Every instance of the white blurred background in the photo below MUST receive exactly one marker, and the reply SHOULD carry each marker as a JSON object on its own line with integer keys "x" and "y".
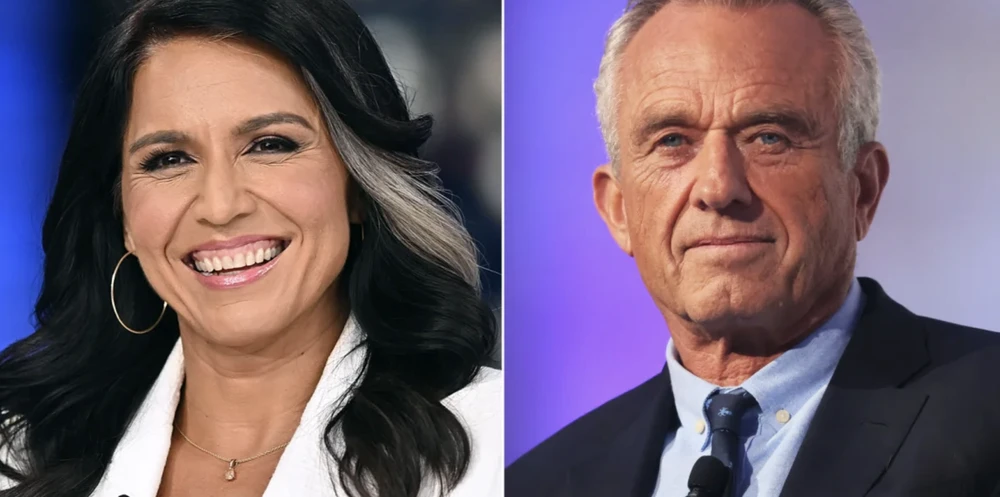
{"x": 446, "y": 55}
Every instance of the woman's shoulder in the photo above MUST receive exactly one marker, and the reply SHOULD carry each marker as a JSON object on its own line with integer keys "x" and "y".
{"x": 11, "y": 452}
{"x": 480, "y": 407}
{"x": 481, "y": 398}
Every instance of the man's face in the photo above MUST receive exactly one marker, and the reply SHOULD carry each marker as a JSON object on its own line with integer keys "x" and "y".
{"x": 730, "y": 194}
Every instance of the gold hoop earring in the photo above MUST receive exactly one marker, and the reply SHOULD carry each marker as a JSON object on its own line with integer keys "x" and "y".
{"x": 114, "y": 308}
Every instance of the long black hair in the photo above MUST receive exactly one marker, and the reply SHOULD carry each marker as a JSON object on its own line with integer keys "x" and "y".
{"x": 69, "y": 390}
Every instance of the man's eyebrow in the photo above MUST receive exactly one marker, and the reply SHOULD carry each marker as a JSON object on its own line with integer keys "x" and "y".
{"x": 655, "y": 120}
{"x": 796, "y": 121}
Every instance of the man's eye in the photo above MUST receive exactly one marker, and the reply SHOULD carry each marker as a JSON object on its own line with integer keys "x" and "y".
{"x": 771, "y": 139}
{"x": 673, "y": 140}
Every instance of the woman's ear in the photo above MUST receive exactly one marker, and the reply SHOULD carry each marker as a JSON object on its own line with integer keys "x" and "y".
{"x": 129, "y": 244}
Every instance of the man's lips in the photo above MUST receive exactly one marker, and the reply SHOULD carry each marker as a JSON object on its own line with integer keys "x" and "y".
{"x": 729, "y": 240}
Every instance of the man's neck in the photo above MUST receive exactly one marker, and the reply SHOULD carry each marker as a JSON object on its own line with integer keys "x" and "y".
{"x": 728, "y": 356}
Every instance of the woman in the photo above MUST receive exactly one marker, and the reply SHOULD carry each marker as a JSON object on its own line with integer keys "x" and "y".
{"x": 304, "y": 317}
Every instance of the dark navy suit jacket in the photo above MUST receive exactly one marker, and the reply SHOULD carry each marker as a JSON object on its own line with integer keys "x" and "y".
{"x": 912, "y": 410}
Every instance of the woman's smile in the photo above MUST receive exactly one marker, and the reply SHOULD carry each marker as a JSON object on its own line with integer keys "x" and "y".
{"x": 235, "y": 262}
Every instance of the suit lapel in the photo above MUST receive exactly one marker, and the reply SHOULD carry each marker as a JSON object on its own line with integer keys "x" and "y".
{"x": 632, "y": 462}
{"x": 864, "y": 415}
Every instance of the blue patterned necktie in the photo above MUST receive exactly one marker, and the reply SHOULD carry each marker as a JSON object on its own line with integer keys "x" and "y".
{"x": 725, "y": 410}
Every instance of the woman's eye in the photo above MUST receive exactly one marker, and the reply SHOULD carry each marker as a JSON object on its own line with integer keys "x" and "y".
{"x": 673, "y": 140}
{"x": 164, "y": 161}
{"x": 273, "y": 145}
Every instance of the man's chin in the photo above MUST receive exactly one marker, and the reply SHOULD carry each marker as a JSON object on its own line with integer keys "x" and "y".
{"x": 725, "y": 304}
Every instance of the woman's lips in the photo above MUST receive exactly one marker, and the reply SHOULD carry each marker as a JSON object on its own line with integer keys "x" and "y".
{"x": 235, "y": 278}
{"x": 235, "y": 265}
{"x": 236, "y": 257}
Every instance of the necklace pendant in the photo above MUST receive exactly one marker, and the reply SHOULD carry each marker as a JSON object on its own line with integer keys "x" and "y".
{"x": 231, "y": 472}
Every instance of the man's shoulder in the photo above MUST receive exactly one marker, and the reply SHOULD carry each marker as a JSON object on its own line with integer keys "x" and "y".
{"x": 959, "y": 334}
{"x": 584, "y": 438}
{"x": 973, "y": 350}
{"x": 887, "y": 324}
{"x": 944, "y": 339}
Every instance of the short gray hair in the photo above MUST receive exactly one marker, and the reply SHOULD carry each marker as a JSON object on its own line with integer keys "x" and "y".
{"x": 857, "y": 84}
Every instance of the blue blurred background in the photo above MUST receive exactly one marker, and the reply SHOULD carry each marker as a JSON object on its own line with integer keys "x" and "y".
{"x": 446, "y": 54}
{"x": 580, "y": 327}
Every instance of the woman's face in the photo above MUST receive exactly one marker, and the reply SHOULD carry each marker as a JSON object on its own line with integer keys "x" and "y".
{"x": 235, "y": 200}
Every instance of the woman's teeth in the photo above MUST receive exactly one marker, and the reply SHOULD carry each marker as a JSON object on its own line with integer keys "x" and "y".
{"x": 237, "y": 260}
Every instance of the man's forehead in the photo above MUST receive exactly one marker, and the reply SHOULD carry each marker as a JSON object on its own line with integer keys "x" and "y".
{"x": 692, "y": 56}
{"x": 693, "y": 41}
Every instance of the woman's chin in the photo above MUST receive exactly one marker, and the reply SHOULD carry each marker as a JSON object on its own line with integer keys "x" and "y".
{"x": 242, "y": 330}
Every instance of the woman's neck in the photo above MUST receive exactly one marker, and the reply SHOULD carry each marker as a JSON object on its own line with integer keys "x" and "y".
{"x": 241, "y": 402}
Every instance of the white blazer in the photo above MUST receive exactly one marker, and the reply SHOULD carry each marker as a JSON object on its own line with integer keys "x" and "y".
{"x": 305, "y": 467}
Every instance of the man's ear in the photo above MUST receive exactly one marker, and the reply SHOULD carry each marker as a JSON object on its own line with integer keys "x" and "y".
{"x": 872, "y": 173}
{"x": 611, "y": 205}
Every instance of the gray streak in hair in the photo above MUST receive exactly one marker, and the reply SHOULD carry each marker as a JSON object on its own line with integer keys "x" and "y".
{"x": 417, "y": 213}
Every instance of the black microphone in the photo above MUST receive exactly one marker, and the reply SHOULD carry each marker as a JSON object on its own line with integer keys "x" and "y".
{"x": 709, "y": 478}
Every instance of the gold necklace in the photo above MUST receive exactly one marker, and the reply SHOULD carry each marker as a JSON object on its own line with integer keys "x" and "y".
{"x": 230, "y": 474}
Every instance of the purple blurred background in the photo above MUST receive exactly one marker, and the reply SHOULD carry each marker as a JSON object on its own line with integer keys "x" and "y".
{"x": 579, "y": 326}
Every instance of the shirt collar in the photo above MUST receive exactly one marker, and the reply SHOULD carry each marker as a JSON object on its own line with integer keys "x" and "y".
{"x": 788, "y": 381}
{"x": 689, "y": 390}
{"x": 137, "y": 465}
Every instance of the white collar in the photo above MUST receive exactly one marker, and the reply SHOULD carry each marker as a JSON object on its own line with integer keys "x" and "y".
{"x": 137, "y": 465}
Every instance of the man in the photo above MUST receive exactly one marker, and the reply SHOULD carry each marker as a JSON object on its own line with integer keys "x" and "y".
{"x": 744, "y": 170}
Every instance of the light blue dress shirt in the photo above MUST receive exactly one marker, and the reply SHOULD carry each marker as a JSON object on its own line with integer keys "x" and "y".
{"x": 788, "y": 391}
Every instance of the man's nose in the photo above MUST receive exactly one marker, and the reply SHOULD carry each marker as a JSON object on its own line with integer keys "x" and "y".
{"x": 721, "y": 176}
